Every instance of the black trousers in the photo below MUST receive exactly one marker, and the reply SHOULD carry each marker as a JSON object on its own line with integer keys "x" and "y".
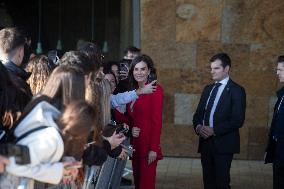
{"x": 278, "y": 176}
{"x": 216, "y": 167}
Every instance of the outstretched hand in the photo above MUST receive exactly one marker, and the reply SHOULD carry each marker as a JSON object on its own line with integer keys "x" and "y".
{"x": 147, "y": 89}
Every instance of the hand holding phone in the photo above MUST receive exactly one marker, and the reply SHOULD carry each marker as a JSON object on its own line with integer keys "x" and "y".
{"x": 123, "y": 70}
{"x": 152, "y": 77}
{"x": 129, "y": 149}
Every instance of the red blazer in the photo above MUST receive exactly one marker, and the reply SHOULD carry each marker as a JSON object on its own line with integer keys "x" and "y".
{"x": 146, "y": 114}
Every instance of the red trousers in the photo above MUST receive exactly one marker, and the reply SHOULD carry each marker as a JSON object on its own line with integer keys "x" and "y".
{"x": 144, "y": 174}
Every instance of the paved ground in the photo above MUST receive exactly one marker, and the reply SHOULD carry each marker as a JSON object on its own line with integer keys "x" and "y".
{"x": 185, "y": 173}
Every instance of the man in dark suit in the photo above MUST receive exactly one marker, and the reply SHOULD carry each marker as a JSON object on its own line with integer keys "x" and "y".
{"x": 219, "y": 115}
{"x": 275, "y": 148}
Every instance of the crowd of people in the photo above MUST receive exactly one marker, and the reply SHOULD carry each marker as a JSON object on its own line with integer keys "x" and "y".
{"x": 61, "y": 116}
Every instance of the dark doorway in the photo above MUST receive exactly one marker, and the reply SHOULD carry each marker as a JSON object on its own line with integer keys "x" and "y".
{"x": 69, "y": 21}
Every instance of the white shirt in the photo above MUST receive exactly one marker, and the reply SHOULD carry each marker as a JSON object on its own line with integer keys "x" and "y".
{"x": 220, "y": 91}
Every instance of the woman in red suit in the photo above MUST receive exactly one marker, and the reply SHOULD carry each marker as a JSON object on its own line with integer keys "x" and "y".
{"x": 145, "y": 118}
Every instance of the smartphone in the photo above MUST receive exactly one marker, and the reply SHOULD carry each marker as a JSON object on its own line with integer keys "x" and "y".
{"x": 152, "y": 77}
{"x": 52, "y": 55}
{"x": 123, "y": 66}
{"x": 21, "y": 153}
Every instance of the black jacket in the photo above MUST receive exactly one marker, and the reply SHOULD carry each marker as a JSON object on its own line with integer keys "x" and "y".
{"x": 275, "y": 152}
{"x": 19, "y": 76}
{"x": 228, "y": 117}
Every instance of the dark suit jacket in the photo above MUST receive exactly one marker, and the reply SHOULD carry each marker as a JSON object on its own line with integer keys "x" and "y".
{"x": 275, "y": 152}
{"x": 229, "y": 116}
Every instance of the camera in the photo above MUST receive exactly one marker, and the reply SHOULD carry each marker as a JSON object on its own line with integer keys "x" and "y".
{"x": 121, "y": 129}
{"x": 129, "y": 149}
{"x": 109, "y": 129}
{"x": 20, "y": 152}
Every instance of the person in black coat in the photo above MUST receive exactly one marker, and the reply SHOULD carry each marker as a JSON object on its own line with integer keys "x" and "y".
{"x": 275, "y": 148}
{"x": 12, "y": 43}
{"x": 219, "y": 115}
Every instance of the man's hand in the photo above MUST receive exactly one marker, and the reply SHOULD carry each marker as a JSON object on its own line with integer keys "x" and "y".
{"x": 206, "y": 131}
{"x": 123, "y": 155}
{"x": 152, "y": 156}
{"x": 197, "y": 129}
{"x": 147, "y": 89}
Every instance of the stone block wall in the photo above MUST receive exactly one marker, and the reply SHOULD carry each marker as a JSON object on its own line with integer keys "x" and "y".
{"x": 182, "y": 35}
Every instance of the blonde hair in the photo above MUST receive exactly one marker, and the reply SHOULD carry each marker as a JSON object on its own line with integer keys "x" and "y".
{"x": 40, "y": 69}
{"x": 105, "y": 92}
{"x": 98, "y": 95}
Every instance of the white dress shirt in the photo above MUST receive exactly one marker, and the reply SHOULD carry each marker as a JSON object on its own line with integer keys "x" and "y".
{"x": 220, "y": 91}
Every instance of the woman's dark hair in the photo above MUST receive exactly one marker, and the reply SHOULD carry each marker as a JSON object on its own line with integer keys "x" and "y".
{"x": 76, "y": 123}
{"x": 93, "y": 51}
{"x": 141, "y": 58}
{"x": 78, "y": 59}
{"x": 40, "y": 69}
{"x": 13, "y": 100}
{"x": 109, "y": 64}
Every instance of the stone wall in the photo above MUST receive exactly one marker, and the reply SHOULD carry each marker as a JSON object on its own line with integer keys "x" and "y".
{"x": 182, "y": 35}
